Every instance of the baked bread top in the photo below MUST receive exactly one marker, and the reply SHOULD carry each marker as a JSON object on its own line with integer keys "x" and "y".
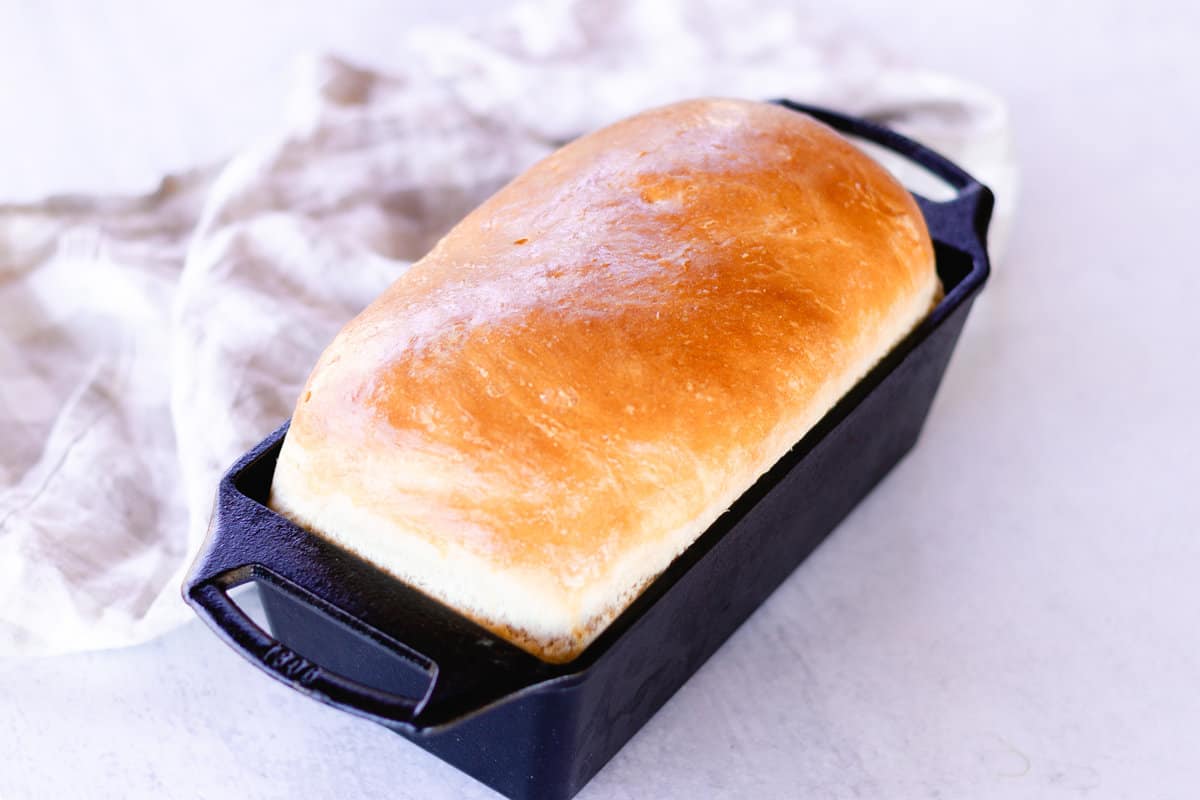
{"x": 543, "y": 412}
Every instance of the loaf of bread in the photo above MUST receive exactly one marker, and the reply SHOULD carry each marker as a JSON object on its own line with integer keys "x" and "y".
{"x": 541, "y": 414}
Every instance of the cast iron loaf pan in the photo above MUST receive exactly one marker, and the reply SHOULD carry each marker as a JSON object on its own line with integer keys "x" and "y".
{"x": 352, "y": 636}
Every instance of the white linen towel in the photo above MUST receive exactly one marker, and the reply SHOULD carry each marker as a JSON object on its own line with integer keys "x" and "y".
{"x": 146, "y": 342}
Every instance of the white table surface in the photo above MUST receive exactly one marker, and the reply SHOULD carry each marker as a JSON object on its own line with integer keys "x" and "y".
{"x": 1015, "y": 612}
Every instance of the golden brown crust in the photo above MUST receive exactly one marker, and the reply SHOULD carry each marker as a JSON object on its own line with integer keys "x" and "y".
{"x": 596, "y": 352}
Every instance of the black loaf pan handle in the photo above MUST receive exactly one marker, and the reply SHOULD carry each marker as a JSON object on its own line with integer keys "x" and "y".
{"x": 960, "y": 222}
{"x": 250, "y": 542}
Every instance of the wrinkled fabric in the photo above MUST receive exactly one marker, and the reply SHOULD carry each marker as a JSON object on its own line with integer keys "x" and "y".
{"x": 146, "y": 342}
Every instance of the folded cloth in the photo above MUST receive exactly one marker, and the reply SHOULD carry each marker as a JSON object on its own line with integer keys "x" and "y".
{"x": 146, "y": 342}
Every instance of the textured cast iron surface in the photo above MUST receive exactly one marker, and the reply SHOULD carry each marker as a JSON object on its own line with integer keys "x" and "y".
{"x": 351, "y": 636}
